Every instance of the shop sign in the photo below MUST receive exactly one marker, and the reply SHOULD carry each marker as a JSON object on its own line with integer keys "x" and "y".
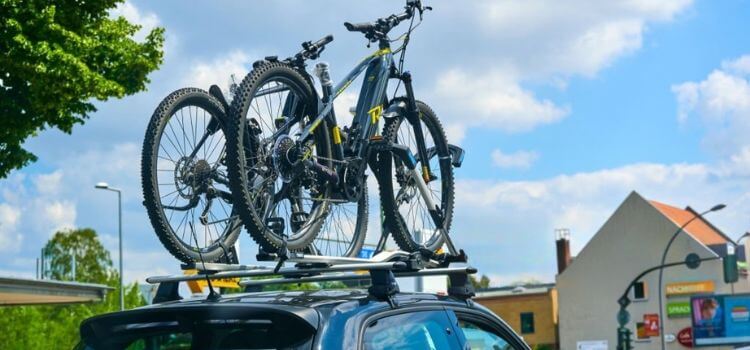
{"x": 685, "y": 337}
{"x": 651, "y": 325}
{"x": 678, "y": 309}
{"x": 687, "y": 288}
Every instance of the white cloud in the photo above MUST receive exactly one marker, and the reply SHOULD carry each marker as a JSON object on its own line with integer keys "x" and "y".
{"x": 721, "y": 102}
{"x": 520, "y": 159}
{"x": 219, "y": 71}
{"x": 493, "y": 100}
{"x": 147, "y": 20}
{"x": 48, "y": 183}
{"x": 60, "y": 215}
{"x": 571, "y": 37}
{"x": 10, "y": 237}
{"x": 738, "y": 66}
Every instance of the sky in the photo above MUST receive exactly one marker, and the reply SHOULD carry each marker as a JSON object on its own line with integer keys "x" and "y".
{"x": 563, "y": 108}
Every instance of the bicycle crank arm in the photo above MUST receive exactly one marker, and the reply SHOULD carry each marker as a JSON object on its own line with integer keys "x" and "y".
{"x": 323, "y": 171}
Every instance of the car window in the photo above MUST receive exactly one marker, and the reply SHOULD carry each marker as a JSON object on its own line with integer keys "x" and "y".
{"x": 277, "y": 332}
{"x": 477, "y": 337}
{"x": 413, "y": 330}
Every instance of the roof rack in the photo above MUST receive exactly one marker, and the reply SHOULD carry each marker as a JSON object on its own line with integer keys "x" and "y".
{"x": 382, "y": 269}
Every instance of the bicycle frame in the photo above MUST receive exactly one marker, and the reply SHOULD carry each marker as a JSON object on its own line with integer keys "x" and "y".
{"x": 369, "y": 105}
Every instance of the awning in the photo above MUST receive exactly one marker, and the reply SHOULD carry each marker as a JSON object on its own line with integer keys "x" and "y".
{"x": 21, "y": 291}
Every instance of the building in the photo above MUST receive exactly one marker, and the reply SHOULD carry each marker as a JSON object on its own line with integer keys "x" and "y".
{"x": 630, "y": 241}
{"x": 23, "y": 291}
{"x": 530, "y": 309}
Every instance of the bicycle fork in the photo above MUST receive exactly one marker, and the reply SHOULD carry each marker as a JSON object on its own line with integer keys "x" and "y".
{"x": 433, "y": 208}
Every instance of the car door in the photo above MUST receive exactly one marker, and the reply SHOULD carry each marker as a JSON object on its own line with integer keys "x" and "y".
{"x": 476, "y": 330}
{"x": 411, "y": 328}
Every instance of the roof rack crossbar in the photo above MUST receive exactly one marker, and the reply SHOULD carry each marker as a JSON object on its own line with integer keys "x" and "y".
{"x": 356, "y": 276}
{"x": 287, "y": 271}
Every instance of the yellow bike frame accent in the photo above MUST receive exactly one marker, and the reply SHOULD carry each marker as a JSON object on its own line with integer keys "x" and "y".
{"x": 375, "y": 113}
{"x": 336, "y": 133}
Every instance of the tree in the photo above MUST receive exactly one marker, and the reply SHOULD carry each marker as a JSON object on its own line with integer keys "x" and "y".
{"x": 79, "y": 250}
{"x": 483, "y": 282}
{"x": 56, "y": 327}
{"x": 56, "y": 56}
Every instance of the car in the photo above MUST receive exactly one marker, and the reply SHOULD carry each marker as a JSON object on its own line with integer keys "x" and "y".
{"x": 315, "y": 319}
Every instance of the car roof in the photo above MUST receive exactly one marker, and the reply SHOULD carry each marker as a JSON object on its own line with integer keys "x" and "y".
{"x": 306, "y": 298}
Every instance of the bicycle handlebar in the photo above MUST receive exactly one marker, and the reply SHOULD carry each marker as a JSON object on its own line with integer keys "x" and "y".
{"x": 378, "y": 29}
{"x": 312, "y": 50}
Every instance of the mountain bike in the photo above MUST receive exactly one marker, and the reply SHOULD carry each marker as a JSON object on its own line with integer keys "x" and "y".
{"x": 292, "y": 168}
{"x": 184, "y": 177}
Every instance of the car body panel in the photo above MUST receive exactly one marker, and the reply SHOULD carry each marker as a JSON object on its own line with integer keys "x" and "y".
{"x": 338, "y": 317}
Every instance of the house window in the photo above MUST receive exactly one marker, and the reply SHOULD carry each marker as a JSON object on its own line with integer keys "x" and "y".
{"x": 640, "y": 291}
{"x": 527, "y": 322}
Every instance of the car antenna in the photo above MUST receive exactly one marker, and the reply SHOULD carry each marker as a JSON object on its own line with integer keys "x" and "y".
{"x": 212, "y": 295}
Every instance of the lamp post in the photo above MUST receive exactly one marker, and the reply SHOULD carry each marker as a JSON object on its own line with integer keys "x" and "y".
{"x": 105, "y": 186}
{"x": 663, "y": 261}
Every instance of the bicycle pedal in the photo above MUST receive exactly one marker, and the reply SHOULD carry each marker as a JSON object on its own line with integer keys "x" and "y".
{"x": 298, "y": 219}
{"x": 276, "y": 225}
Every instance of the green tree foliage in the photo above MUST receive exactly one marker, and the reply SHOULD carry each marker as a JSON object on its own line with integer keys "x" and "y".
{"x": 56, "y": 327}
{"x": 481, "y": 283}
{"x": 56, "y": 57}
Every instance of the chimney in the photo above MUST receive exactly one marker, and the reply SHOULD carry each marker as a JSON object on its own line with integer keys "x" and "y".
{"x": 562, "y": 242}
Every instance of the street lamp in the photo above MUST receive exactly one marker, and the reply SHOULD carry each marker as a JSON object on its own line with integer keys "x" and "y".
{"x": 663, "y": 260}
{"x": 105, "y": 186}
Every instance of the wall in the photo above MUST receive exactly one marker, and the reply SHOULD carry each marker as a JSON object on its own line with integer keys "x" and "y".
{"x": 543, "y": 305}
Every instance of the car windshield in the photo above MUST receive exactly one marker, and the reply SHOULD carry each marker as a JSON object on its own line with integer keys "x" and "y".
{"x": 185, "y": 332}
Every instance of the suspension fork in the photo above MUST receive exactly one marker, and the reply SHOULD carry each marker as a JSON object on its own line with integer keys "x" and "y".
{"x": 414, "y": 118}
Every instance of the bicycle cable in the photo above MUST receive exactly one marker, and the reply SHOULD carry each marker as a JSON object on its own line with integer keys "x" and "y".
{"x": 406, "y": 36}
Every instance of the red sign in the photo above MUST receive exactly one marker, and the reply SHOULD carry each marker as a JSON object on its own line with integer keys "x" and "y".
{"x": 651, "y": 325}
{"x": 685, "y": 337}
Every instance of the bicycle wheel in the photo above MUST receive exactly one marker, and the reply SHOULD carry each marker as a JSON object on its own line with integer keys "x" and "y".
{"x": 343, "y": 232}
{"x": 413, "y": 227}
{"x": 276, "y": 199}
{"x": 183, "y": 173}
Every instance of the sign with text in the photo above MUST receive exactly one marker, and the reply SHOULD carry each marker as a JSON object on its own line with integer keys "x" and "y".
{"x": 651, "y": 325}
{"x": 678, "y": 309}
{"x": 592, "y": 345}
{"x": 685, "y": 337}
{"x": 688, "y": 288}
{"x": 721, "y": 319}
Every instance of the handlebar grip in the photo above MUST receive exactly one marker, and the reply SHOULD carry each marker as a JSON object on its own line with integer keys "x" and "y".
{"x": 358, "y": 27}
{"x": 327, "y": 39}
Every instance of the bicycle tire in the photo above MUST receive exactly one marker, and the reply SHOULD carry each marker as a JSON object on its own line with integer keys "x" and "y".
{"x": 402, "y": 233}
{"x": 238, "y": 154}
{"x": 183, "y": 251}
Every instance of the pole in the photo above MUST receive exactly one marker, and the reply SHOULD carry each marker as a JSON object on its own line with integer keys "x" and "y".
{"x": 119, "y": 219}
{"x": 661, "y": 271}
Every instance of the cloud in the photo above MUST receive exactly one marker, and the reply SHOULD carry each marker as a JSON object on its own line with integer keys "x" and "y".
{"x": 147, "y": 20}
{"x": 48, "y": 183}
{"x": 519, "y": 160}
{"x": 721, "y": 103}
{"x": 494, "y": 100}
{"x": 10, "y": 237}
{"x": 219, "y": 71}
{"x": 60, "y": 215}
{"x": 566, "y": 39}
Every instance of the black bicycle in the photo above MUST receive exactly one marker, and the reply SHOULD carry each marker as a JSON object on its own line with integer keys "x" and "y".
{"x": 298, "y": 179}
